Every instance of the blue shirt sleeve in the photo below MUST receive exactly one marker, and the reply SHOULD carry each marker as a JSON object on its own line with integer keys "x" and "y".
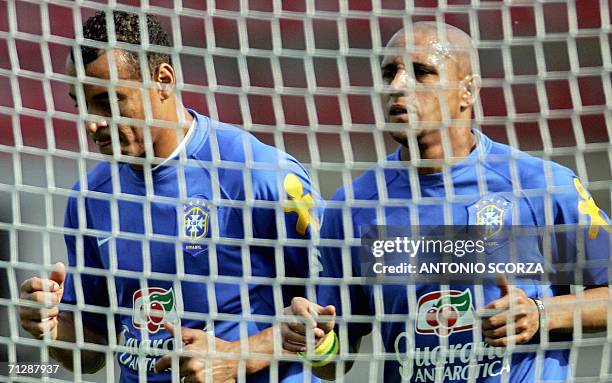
{"x": 586, "y": 233}
{"x": 94, "y": 291}
{"x": 332, "y": 286}
{"x": 299, "y": 206}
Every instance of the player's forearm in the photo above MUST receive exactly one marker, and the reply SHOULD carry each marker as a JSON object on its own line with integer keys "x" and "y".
{"x": 260, "y": 343}
{"x": 91, "y": 361}
{"x": 593, "y": 307}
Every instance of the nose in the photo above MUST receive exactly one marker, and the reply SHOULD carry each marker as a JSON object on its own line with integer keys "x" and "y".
{"x": 402, "y": 83}
{"x": 93, "y": 125}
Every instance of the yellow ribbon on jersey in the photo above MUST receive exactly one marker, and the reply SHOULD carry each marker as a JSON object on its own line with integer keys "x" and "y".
{"x": 587, "y": 206}
{"x": 299, "y": 203}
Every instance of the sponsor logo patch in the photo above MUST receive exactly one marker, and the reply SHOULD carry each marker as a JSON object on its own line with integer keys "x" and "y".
{"x": 102, "y": 240}
{"x": 445, "y": 312}
{"x": 152, "y": 307}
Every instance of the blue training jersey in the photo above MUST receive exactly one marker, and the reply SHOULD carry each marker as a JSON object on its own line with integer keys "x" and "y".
{"x": 546, "y": 194}
{"x": 225, "y": 226}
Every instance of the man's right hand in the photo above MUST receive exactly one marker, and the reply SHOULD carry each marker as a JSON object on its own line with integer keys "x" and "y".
{"x": 308, "y": 313}
{"x": 47, "y": 292}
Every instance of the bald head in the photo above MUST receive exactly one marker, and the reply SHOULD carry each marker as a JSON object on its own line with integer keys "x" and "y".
{"x": 439, "y": 42}
{"x": 430, "y": 80}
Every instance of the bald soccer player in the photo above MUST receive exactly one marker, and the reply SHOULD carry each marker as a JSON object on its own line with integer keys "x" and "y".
{"x": 450, "y": 334}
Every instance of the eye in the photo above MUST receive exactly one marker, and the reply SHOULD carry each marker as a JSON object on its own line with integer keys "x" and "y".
{"x": 388, "y": 73}
{"x": 106, "y": 103}
{"x": 421, "y": 71}
{"x": 103, "y": 101}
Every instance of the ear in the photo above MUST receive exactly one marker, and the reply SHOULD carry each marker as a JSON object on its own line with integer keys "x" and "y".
{"x": 471, "y": 88}
{"x": 164, "y": 77}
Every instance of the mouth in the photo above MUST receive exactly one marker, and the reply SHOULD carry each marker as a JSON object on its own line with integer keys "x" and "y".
{"x": 397, "y": 109}
{"x": 102, "y": 141}
{"x": 398, "y": 113}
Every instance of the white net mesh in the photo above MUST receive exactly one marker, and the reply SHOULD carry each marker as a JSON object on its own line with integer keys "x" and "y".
{"x": 303, "y": 76}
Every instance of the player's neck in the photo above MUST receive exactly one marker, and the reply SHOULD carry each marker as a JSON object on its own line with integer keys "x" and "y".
{"x": 167, "y": 140}
{"x": 431, "y": 147}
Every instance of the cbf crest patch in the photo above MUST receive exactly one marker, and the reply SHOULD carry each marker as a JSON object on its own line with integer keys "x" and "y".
{"x": 196, "y": 221}
{"x": 490, "y": 214}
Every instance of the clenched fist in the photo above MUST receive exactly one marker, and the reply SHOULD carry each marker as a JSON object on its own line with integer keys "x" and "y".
{"x": 309, "y": 314}
{"x": 517, "y": 319}
{"x": 198, "y": 365}
{"x": 48, "y": 293}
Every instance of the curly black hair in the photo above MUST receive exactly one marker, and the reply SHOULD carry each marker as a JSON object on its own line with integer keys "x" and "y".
{"x": 127, "y": 29}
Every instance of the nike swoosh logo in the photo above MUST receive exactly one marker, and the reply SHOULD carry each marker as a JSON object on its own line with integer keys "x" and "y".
{"x": 102, "y": 241}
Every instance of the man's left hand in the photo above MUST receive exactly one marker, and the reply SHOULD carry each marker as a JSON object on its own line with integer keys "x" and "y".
{"x": 517, "y": 318}
{"x": 198, "y": 365}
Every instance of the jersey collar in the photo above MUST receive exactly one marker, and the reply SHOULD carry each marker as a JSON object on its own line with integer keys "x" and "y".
{"x": 483, "y": 146}
{"x": 190, "y": 144}
{"x": 180, "y": 146}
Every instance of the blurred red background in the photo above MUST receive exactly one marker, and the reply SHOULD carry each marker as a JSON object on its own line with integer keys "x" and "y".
{"x": 542, "y": 67}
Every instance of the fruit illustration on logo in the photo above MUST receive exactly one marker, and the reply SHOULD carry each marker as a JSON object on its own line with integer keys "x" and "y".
{"x": 444, "y": 312}
{"x": 152, "y": 307}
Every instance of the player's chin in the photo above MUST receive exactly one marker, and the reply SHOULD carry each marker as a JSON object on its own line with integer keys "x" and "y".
{"x": 125, "y": 150}
{"x": 132, "y": 150}
{"x": 401, "y": 136}
{"x": 109, "y": 150}
{"x": 106, "y": 149}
